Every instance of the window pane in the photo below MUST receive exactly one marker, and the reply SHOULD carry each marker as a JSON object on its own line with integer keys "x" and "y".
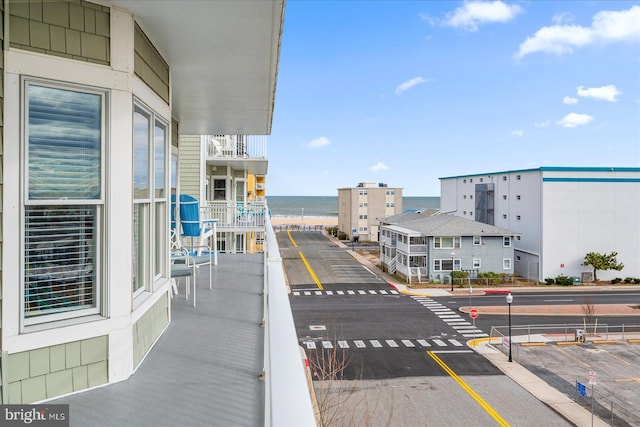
{"x": 159, "y": 159}
{"x": 140, "y": 234}
{"x": 161, "y": 238}
{"x": 141, "y": 149}
{"x": 64, "y": 144}
{"x": 60, "y": 258}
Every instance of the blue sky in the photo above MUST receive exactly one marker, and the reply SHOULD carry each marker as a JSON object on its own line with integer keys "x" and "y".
{"x": 406, "y": 92}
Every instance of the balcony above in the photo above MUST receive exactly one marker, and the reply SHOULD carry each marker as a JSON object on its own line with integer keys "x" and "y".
{"x": 243, "y": 152}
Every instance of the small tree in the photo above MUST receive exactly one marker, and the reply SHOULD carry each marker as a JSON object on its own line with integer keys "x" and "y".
{"x": 602, "y": 262}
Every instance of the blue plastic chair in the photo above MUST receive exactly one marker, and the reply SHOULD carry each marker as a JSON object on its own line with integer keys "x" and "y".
{"x": 192, "y": 226}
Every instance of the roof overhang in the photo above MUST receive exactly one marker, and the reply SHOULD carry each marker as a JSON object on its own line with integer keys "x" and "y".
{"x": 223, "y": 56}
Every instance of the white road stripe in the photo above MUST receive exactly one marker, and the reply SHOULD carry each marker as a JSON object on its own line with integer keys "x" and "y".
{"x": 340, "y": 292}
{"x": 482, "y": 335}
{"x": 440, "y": 343}
{"x": 408, "y": 343}
{"x": 296, "y": 293}
{"x": 383, "y": 292}
{"x": 351, "y": 292}
{"x": 372, "y": 292}
{"x": 362, "y": 292}
{"x": 359, "y": 343}
{"x": 456, "y": 343}
{"x": 453, "y": 351}
{"x": 463, "y": 327}
{"x": 394, "y": 292}
{"x": 327, "y": 344}
{"x": 329, "y": 292}
{"x": 307, "y": 293}
{"x": 310, "y": 345}
{"x": 424, "y": 343}
{"x": 375, "y": 343}
{"x": 343, "y": 344}
{"x": 318, "y": 292}
{"x": 391, "y": 343}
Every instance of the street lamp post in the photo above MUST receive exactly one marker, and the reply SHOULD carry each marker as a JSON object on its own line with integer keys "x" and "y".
{"x": 509, "y": 301}
{"x": 452, "y": 255}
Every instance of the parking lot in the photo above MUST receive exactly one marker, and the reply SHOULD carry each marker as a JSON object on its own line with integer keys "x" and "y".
{"x": 612, "y": 365}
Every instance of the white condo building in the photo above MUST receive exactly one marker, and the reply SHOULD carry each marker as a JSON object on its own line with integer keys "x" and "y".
{"x": 560, "y": 214}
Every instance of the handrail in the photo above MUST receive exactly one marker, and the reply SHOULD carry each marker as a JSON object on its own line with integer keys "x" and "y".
{"x": 287, "y": 398}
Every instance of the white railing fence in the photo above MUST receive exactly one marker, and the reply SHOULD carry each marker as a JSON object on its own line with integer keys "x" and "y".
{"x": 287, "y": 398}
{"x": 236, "y": 146}
{"x": 232, "y": 215}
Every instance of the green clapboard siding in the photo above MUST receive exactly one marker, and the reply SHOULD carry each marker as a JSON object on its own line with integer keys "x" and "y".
{"x": 149, "y": 327}
{"x": 149, "y": 65}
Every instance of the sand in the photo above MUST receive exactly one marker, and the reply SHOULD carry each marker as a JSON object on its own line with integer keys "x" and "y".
{"x": 326, "y": 221}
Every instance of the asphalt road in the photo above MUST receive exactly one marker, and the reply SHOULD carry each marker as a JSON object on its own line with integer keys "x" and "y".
{"x": 370, "y": 342}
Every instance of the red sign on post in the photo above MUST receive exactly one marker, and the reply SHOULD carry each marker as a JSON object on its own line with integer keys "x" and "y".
{"x": 473, "y": 313}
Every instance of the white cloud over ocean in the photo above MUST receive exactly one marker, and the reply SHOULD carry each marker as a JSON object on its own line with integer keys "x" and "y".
{"x": 573, "y": 120}
{"x": 318, "y": 142}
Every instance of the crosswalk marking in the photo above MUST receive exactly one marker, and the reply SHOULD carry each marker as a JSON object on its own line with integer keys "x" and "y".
{"x": 456, "y": 343}
{"x": 310, "y": 345}
{"x": 372, "y": 292}
{"x": 440, "y": 343}
{"x": 329, "y": 292}
{"x": 375, "y": 343}
{"x": 394, "y": 292}
{"x": 424, "y": 343}
{"x": 343, "y": 344}
{"x": 408, "y": 343}
{"x": 307, "y": 293}
{"x": 383, "y": 292}
{"x": 351, "y": 292}
{"x": 340, "y": 292}
{"x": 451, "y": 318}
{"x": 296, "y": 293}
{"x": 318, "y": 292}
{"x": 327, "y": 344}
{"x": 347, "y": 292}
{"x": 359, "y": 343}
{"x": 391, "y": 343}
{"x": 361, "y": 292}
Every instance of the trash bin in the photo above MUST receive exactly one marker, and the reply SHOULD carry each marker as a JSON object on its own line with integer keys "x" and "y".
{"x": 579, "y": 336}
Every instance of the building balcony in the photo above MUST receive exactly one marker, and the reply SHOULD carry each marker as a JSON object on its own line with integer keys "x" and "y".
{"x": 244, "y": 152}
{"x": 236, "y": 217}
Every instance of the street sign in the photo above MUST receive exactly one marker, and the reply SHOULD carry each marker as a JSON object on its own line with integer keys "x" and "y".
{"x": 582, "y": 389}
{"x": 592, "y": 377}
{"x": 473, "y": 313}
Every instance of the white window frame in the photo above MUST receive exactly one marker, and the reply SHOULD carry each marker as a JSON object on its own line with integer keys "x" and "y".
{"x": 153, "y": 250}
{"x": 438, "y": 264}
{"x": 477, "y": 263}
{"x": 506, "y": 241}
{"x": 477, "y": 240}
{"x": 456, "y": 242}
{"x": 96, "y": 308}
{"x": 506, "y": 263}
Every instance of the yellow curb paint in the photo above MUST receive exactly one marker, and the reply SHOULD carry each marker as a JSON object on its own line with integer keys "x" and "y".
{"x": 605, "y": 342}
{"x": 313, "y": 275}
{"x": 501, "y": 421}
{"x": 568, "y": 343}
{"x": 533, "y": 344}
{"x": 633, "y": 341}
{"x": 295, "y": 245}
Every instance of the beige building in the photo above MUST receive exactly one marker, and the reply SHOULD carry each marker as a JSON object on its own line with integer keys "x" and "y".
{"x": 361, "y": 207}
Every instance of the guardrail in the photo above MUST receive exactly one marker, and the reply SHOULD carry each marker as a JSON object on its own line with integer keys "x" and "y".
{"x": 239, "y": 216}
{"x": 287, "y": 398}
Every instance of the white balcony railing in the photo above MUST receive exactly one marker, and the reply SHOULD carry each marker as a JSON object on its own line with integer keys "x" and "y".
{"x": 238, "y": 216}
{"x": 236, "y": 146}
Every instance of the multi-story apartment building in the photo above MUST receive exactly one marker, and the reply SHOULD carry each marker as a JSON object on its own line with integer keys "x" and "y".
{"x": 360, "y": 208}
{"x": 560, "y": 214}
{"x": 227, "y": 174}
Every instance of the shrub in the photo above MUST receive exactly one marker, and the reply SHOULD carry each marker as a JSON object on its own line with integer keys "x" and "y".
{"x": 636, "y": 281}
{"x": 459, "y": 274}
{"x": 550, "y": 281}
{"x": 616, "y": 280}
{"x": 628, "y": 280}
{"x": 490, "y": 277}
{"x": 564, "y": 280}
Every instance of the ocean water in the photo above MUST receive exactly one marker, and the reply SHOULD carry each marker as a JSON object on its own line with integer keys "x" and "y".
{"x": 328, "y": 205}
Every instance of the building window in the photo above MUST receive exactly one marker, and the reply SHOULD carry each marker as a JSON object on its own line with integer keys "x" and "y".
{"x": 504, "y": 197}
{"x": 362, "y": 229}
{"x": 390, "y": 192}
{"x": 477, "y": 240}
{"x": 477, "y": 263}
{"x": 504, "y": 216}
{"x": 518, "y": 197}
{"x": 363, "y": 192}
{"x": 481, "y": 179}
{"x": 464, "y": 181}
{"x": 150, "y": 149}
{"x": 220, "y": 189}
{"x": 506, "y": 241}
{"x": 470, "y": 180}
{"x": 390, "y": 205}
{"x": 471, "y": 196}
{"x": 363, "y": 216}
{"x": 517, "y": 237}
{"x": 464, "y": 212}
{"x": 363, "y": 205}
{"x": 506, "y": 263}
{"x": 518, "y": 177}
{"x": 64, "y": 169}
{"x": 518, "y": 217}
{"x": 504, "y": 177}
{"x": 518, "y": 258}
{"x": 446, "y": 264}
{"x": 446, "y": 242}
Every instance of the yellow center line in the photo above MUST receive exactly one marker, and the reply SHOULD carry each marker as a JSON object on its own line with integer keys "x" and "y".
{"x": 291, "y": 238}
{"x": 313, "y": 275}
{"x": 501, "y": 421}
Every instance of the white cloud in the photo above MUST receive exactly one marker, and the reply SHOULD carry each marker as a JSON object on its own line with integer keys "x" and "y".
{"x": 606, "y": 27}
{"x": 517, "y": 133}
{"x": 318, "y": 143}
{"x": 542, "y": 124}
{"x": 605, "y": 93}
{"x": 409, "y": 84}
{"x": 573, "y": 120}
{"x": 562, "y": 18}
{"x": 569, "y": 100}
{"x": 379, "y": 167}
{"x": 474, "y": 13}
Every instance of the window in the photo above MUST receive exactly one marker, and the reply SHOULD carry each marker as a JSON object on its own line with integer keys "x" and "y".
{"x": 390, "y": 192}
{"x": 518, "y": 258}
{"x": 64, "y": 168}
{"x": 464, "y": 212}
{"x": 362, "y": 229}
{"x": 517, "y": 237}
{"x": 446, "y": 264}
{"x": 446, "y": 242}
{"x": 518, "y": 177}
{"x": 477, "y": 263}
{"x": 504, "y": 197}
{"x": 506, "y": 241}
{"x": 363, "y": 216}
{"x": 504, "y": 216}
{"x": 219, "y": 189}
{"x": 363, "y": 192}
{"x": 477, "y": 240}
{"x": 481, "y": 179}
{"x": 390, "y": 205}
{"x": 464, "y": 196}
{"x": 471, "y": 196}
{"x": 506, "y": 263}
{"x": 464, "y": 181}
{"x": 471, "y": 180}
{"x": 363, "y": 205}
{"x": 150, "y": 226}
{"x": 518, "y": 197}
{"x": 504, "y": 177}
{"x": 518, "y": 217}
